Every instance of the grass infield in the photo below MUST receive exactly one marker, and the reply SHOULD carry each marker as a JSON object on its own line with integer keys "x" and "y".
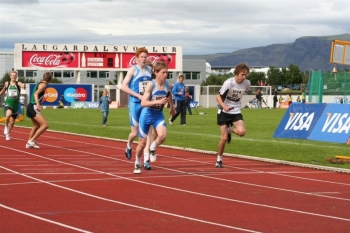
{"x": 202, "y": 133}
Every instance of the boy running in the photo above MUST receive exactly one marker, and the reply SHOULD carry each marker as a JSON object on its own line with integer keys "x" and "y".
{"x": 13, "y": 93}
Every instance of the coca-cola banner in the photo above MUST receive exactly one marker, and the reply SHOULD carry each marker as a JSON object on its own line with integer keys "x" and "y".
{"x": 50, "y": 59}
{"x": 91, "y": 56}
{"x": 129, "y": 59}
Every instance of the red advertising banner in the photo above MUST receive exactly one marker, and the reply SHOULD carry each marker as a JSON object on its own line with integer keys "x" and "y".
{"x": 49, "y": 59}
{"x": 91, "y": 60}
{"x": 129, "y": 59}
{"x": 99, "y": 60}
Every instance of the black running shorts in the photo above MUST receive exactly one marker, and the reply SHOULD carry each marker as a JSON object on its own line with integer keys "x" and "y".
{"x": 31, "y": 110}
{"x": 13, "y": 115}
{"x": 227, "y": 119}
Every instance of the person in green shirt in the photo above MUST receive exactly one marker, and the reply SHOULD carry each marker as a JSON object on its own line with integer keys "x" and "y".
{"x": 303, "y": 97}
{"x": 12, "y": 89}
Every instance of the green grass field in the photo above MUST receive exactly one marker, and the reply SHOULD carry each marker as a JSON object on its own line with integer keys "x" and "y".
{"x": 201, "y": 132}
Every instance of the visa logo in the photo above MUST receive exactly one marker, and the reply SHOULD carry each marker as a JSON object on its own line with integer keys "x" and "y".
{"x": 299, "y": 121}
{"x": 78, "y": 105}
{"x": 337, "y": 123}
{"x": 93, "y": 105}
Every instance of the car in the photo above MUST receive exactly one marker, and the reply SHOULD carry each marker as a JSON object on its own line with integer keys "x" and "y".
{"x": 295, "y": 87}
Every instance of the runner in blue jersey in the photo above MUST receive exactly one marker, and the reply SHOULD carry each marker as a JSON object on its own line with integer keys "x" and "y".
{"x": 157, "y": 94}
{"x": 134, "y": 84}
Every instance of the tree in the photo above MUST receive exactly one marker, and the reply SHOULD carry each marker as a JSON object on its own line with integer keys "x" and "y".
{"x": 214, "y": 79}
{"x": 275, "y": 76}
{"x": 6, "y": 78}
{"x": 56, "y": 80}
{"x": 294, "y": 75}
{"x": 255, "y": 77}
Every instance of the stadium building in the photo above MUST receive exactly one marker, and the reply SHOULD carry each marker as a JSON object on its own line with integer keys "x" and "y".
{"x": 98, "y": 65}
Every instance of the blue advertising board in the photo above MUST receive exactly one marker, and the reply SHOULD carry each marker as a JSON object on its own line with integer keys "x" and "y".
{"x": 299, "y": 120}
{"x": 67, "y": 93}
{"x": 333, "y": 124}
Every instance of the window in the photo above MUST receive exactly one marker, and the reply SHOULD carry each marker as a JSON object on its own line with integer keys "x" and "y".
{"x": 92, "y": 74}
{"x": 31, "y": 73}
{"x": 187, "y": 75}
{"x": 196, "y": 75}
{"x": 192, "y": 75}
{"x": 104, "y": 74}
{"x": 170, "y": 76}
{"x": 110, "y": 62}
{"x": 57, "y": 74}
{"x": 68, "y": 74}
{"x": 20, "y": 73}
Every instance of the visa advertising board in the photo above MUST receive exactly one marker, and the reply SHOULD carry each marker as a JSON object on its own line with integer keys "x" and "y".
{"x": 67, "y": 93}
{"x": 321, "y": 122}
{"x": 333, "y": 124}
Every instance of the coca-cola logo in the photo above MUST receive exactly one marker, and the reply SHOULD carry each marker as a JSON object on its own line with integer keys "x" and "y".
{"x": 133, "y": 60}
{"x": 51, "y": 60}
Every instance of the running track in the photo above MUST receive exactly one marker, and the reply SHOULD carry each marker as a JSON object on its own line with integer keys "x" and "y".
{"x": 83, "y": 184}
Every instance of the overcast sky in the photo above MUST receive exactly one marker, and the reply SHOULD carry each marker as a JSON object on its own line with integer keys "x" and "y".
{"x": 199, "y": 26}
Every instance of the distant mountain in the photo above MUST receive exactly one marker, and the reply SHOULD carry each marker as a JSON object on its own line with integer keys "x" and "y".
{"x": 308, "y": 52}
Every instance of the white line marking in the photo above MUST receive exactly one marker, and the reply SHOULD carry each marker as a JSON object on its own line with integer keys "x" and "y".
{"x": 43, "y": 219}
{"x": 186, "y": 191}
{"x": 127, "y": 204}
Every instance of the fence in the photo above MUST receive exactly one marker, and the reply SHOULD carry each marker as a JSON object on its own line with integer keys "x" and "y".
{"x": 208, "y": 94}
{"x": 325, "y": 83}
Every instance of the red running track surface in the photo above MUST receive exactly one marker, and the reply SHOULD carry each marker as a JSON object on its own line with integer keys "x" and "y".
{"x": 75, "y": 183}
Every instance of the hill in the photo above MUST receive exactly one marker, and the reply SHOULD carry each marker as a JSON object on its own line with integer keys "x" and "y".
{"x": 308, "y": 52}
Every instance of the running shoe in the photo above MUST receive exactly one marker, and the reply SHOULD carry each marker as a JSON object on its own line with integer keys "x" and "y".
{"x": 137, "y": 169}
{"x": 128, "y": 152}
{"x": 218, "y": 164}
{"x": 170, "y": 122}
{"x": 147, "y": 166}
{"x": 8, "y": 137}
{"x": 5, "y": 130}
{"x": 229, "y": 132}
{"x": 153, "y": 155}
{"x": 32, "y": 145}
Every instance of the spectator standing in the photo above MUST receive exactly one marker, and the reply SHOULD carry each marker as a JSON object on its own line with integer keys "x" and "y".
{"x": 258, "y": 97}
{"x": 289, "y": 99}
{"x": 188, "y": 101}
{"x": 280, "y": 100}
{"x": 275, "y": 100}
{"x": 21, "y": 101}
{"x": 103, "y": 104}
{"x": 179, "y": 93}
{"x": 303, "y": 97}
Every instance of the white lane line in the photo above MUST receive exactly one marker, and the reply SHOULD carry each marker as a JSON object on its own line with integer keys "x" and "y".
{"x": 196, "y": 193}
{"x": 129, "y": 205}
{"x": 183, "y": 172}
{"x": 43, "y": 219}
